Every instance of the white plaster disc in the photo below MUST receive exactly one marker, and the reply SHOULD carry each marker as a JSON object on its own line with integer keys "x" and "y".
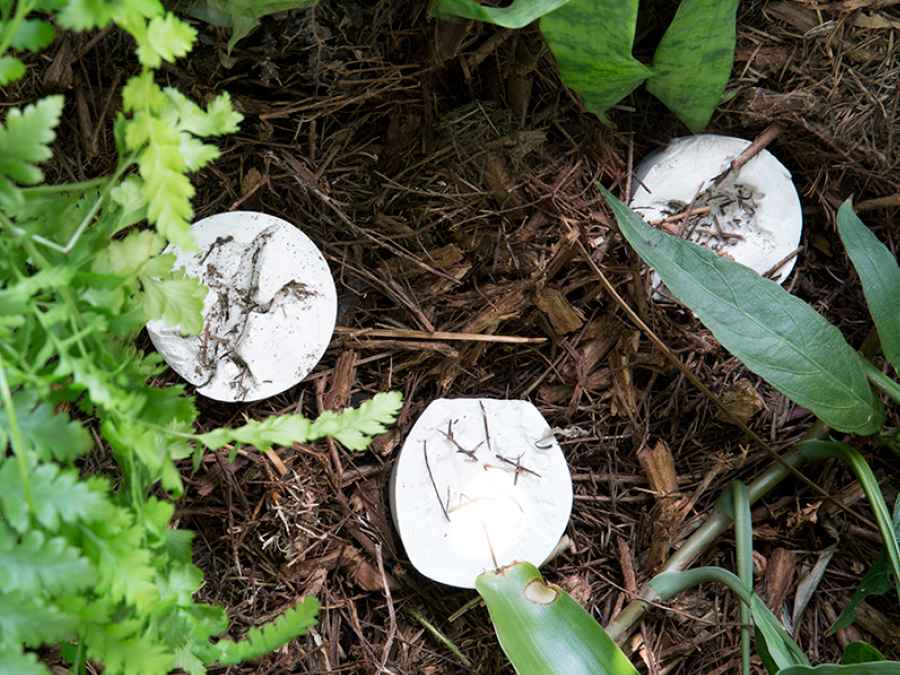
{"x": 460, "y": 513}
{"x": 758, "y": 206}
{"x": 269, "y": 313}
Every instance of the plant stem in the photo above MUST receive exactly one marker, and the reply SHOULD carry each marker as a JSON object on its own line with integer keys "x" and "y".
{"x": 440, "y": 636}
{"x": 112, "y": 182}
{"x": 717, "y": 523}
{"x": 15, "y": 435}
{"x": 23, "y": 9}
{"x": 881, "y": 381}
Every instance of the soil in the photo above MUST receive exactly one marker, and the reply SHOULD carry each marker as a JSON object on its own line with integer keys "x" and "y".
{"x": 449, "y": 177}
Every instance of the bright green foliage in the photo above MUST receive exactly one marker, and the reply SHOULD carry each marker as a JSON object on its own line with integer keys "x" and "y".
{"x": 81, "y": 271}
{"x": 592, "y": 42}
{"x": 880, "y": 276}
{"x": 543, "y": 630}
{"x": 777, "y": 336}
{"x": 258, "y": 642}
{"x": 25, "y": 142}
{"x": 241, "y": 16}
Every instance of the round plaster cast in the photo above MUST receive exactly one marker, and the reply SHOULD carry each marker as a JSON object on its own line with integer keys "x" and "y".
{"x": 479, "y": 484}
{"x": 269, "y": 313}
{"x": 754, "y": 216}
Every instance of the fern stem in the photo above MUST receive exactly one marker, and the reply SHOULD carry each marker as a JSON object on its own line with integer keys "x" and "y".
{"x": 23, "y": 9}
{"x": 112, "y": 182}
{"x": 15, "y": 435}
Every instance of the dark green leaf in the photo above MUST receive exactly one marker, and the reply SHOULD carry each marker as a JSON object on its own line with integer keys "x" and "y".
{"x": 777, "y": 336}
{"x": 517, "y": 15}
{"x": 591, "y": 42}
{"x": 883, "y": 668}
{"x": 543, "y": 630}
{"x": 880, "y": 276}
{"x": 776, "y": 648}
{"x": 692, "y": 64}
{"x": 860, "y": 652}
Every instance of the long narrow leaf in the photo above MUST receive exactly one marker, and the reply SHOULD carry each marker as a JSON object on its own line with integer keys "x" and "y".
{"x": 777, "y": 336}
{"x": 543, "y": 631}
{"x": 852, "y": 457}
{"x": 880, "y": 277}
{"x": 517, "y": 15}
{"x": 692, "y": 64}
{"x": 591, "y": 41}
{"x": 879, "y": 668}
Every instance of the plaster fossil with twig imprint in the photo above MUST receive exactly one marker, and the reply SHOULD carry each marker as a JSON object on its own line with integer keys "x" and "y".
{"x": 268, "y": 315}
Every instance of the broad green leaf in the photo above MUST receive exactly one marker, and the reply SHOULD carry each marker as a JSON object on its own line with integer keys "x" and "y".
{"x": 591, "y": 41}
{"x": 543, "y": 630}
{"x": 880, "y": 277}
{"x": 517, "y": 15}
{"x": 241, "y": 16}
{"x": 693, "y": 61}
{"x": 882, "y": 668}
{"x": 777, "y": 336}
{"x": 291, "y": 624}
{"x": 860, "y": 652}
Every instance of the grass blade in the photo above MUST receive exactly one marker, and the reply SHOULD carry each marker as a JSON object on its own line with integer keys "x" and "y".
{"x": 777, "y": 336}
{"x": 880, "y": 277}
{"x": 692, "y": 64}
{"x": 543, "y": 631}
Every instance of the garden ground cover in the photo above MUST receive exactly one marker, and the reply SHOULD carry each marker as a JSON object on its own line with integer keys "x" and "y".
{"x": 448, "y": 177}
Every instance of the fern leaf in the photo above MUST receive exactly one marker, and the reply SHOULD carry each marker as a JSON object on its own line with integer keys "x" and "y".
{"x": 25, "y": 142}
{"x": 25, "y": 619}
{"x": 58, "y": 496}
{"x": 292, "y": 624}
{"x": 281, "y": 430}
{"x": 355, "y": 426}
{"x": 14, "y": 661}
{"x": 36, "y": 564}
{"x": 124, "y": 650}
{"x": 48, "y": 434}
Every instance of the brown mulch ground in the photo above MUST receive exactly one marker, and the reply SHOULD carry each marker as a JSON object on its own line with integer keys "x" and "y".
{"x": 448, "y": 177}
